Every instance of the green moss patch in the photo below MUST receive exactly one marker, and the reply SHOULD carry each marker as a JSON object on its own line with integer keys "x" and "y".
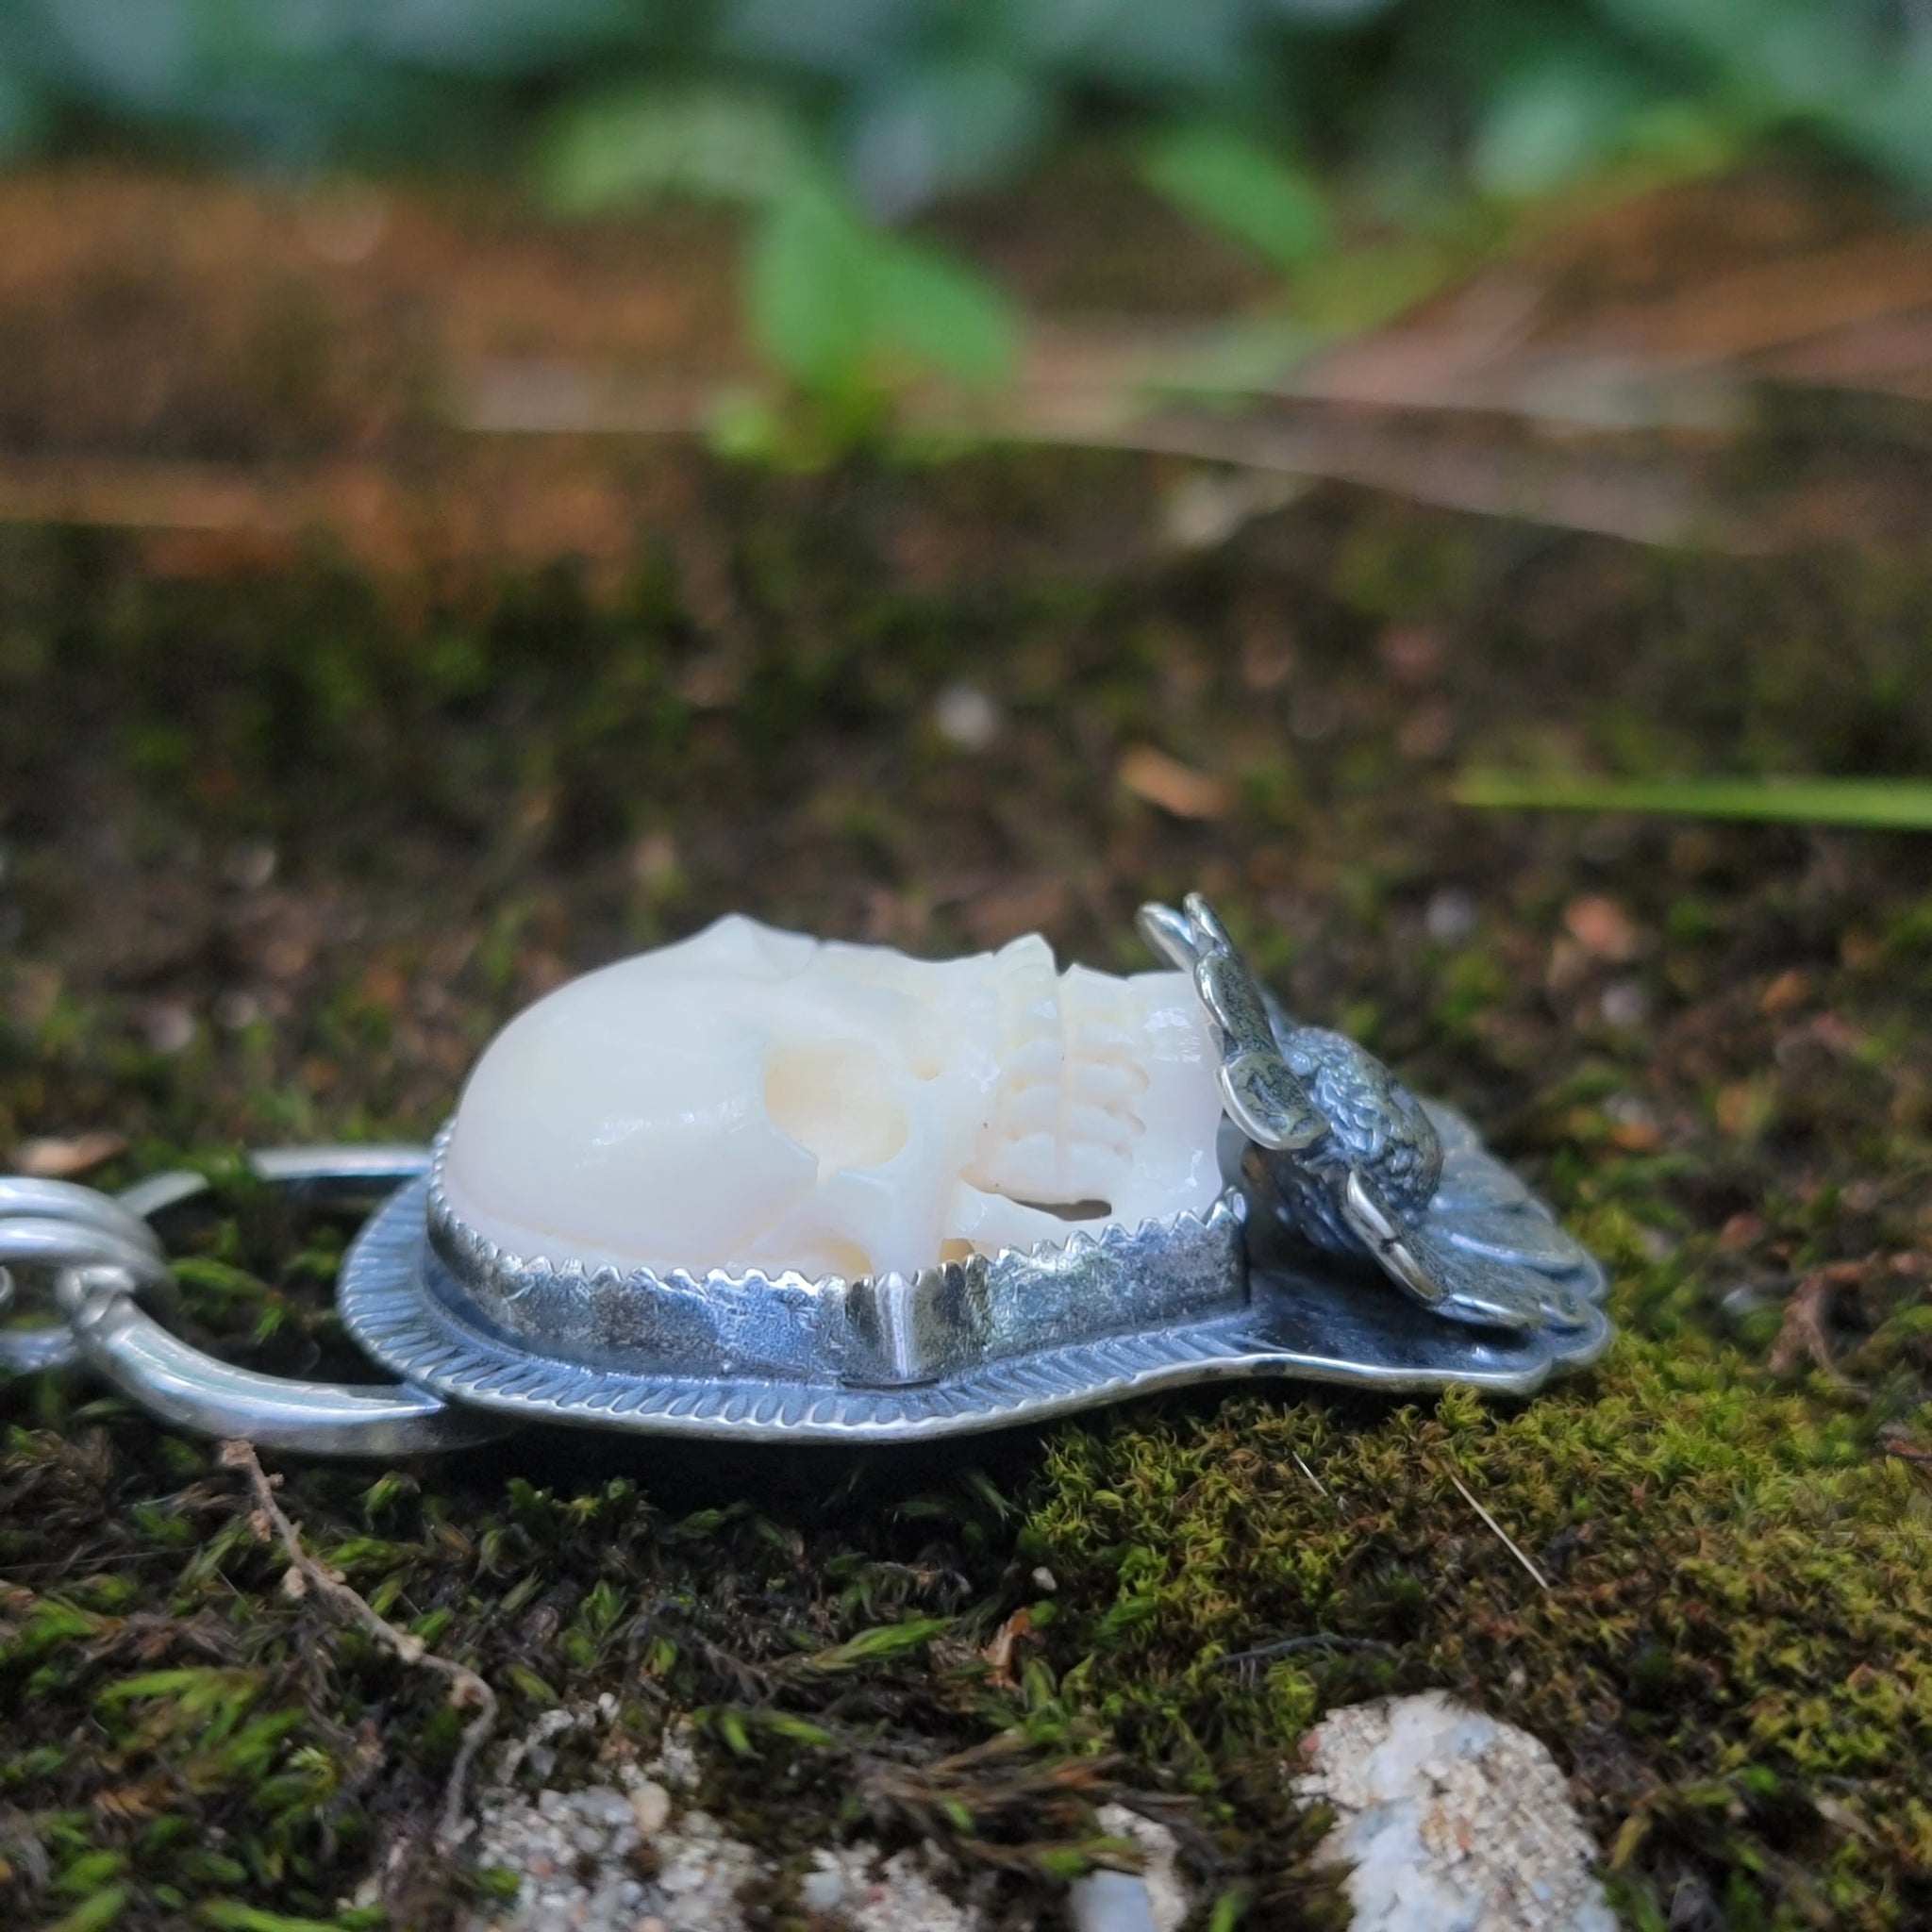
{"x": 281, "y": 850}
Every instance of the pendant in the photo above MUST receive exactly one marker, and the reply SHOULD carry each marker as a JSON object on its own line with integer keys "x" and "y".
{"x": 760, "y": 1186}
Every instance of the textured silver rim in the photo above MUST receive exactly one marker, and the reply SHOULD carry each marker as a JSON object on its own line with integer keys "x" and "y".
{"x": 1310, "y": 1325}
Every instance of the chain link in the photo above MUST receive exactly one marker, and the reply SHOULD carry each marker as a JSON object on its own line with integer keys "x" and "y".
{"x": 53, "y": 1224}
{"x": 102, "y": 1253}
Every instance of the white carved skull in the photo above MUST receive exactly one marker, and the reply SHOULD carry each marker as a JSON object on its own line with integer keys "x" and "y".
{"x": 752, "y": 1098}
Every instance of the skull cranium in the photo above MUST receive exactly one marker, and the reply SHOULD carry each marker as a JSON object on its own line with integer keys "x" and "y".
{"x": 752, "y": 1098}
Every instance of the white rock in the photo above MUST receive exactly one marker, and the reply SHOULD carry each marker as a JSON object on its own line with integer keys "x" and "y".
{"x": 902, "y": 1897}
{"x": 676, "y": 1763}
{"x": 1167, "y": 1897}
{"x": 1151, "y": 1900}
{"x": 689, "y": 1871}
{"x": 1110, "y": 1902}
{"x": 608, "y": 1807}
{"x": 967, "y": 717}
{"x": 650, "y": 1806}
{"x": 701, "y": 1866}
{"x": 822, "y": 1889}
{"x": 1452, "y": 1822}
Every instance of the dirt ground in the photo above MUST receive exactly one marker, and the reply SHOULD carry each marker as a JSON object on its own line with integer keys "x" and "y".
{"x": 340, "y": 717}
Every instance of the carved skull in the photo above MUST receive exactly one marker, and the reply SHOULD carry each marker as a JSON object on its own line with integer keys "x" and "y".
{"x": 752, "y": 1098}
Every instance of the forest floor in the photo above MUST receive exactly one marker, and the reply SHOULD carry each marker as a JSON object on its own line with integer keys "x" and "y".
{"x": 369, "y": 662}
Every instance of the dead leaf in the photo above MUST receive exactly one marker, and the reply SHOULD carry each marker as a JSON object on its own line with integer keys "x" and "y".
{"x": 60, "y": 1160}
{"x": 1176, "y": 789}
{"x": 999, "y": 1653}
{"x": 1603, "y": 929}
{"x": 1801, "y": 1335}
{"x": 1740, "y": 1230}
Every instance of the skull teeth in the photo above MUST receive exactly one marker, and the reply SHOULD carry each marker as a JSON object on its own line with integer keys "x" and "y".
{"x": 1047, "y": 1110}
{"x": 1035, "y": 1062}
{"x": 1038, "y": 1167}
{"x": 1096, "y": 1040}
{"x": 1107, "y": 1084}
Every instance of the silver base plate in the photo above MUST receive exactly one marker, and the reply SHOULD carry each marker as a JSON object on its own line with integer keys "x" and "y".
{"x": 1309, "y": 1322}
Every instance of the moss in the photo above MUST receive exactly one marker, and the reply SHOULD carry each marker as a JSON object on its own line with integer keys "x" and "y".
{"x": 1733, "y": 1628}
{"x": 281, "y": 849}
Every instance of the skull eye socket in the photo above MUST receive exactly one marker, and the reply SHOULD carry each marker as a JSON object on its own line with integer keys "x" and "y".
{"x": 834, "y": 1100}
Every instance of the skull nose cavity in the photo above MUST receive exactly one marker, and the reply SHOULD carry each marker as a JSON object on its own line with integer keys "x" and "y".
{"x": 835, "y": 1099}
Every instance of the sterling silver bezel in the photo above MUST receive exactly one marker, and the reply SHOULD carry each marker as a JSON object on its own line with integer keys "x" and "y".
{"x": 997, "y": 1341}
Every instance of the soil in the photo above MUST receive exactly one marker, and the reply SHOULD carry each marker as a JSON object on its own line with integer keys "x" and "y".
{"x": 308, "y": 782}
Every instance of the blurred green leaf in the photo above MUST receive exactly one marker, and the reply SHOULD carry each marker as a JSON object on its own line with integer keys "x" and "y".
{"x": 798, "y": 1730}
{"x": 803, "y": 291}
{"x": 940, "y": 313}
{"x": 836, "y": 305}
{"x": 642, "y": 143}
{"x": 1248, "y": 192}
{"x": 1551, "y": 126}
{"x": 1891, "y": 123}
{"x": 21, "y": 116}
{"x": 1874, "y": 804}
{"x": 93, "y": 1914}
{"x": 232, "y": 1917}
{"x": 1357, "y": 289}
{"x": 1858, "y": 74}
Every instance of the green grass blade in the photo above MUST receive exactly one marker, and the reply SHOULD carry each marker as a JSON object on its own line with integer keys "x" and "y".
{"x": 1875, "y": 804}
{"x": 886, "y": 1642}
{"x": 232, "y": 1917}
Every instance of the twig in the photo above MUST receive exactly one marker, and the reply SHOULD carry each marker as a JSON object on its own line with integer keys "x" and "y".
{"x": 1543, "y": 1581}
{"x": 1894, "y": 1441}
{"x": 465, "y": 1687}
{"x": 1308, "y": 1472}
{"x": 1315, "y": 1640}
{"x": 1802, "y": 1334}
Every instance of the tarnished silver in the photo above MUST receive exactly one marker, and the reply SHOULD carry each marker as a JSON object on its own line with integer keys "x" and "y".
{"x": 749, "y": 1357}
{"x": 126, "y": 1346}
{"x": 879, "y": 1331}
{"x": 1365, "y": 1237}
{"x": 1344, "y": 1161}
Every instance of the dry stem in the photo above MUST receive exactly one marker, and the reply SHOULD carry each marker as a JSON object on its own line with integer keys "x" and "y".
{"x": 1543, "y": 1581}
{"x": 465, "y": 1687}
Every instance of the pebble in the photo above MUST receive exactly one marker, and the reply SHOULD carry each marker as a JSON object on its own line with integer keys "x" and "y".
{"x": 650, "y": 1808}
{"x": 1450, "y": 916}
{"x": 574, "y": 1853}
{"x": 1450, "y": 1819}
{"x": 611, "y": 1808}
{"x": 1150, "y": 1900}
{"x": 1110, "y": 1902}
{"x": 967, "y": 717}
{"x": 819, "y": 1891}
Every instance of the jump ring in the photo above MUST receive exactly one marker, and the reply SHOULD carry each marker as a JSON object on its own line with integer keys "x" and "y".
{"x": 56, "y": 1224}
{"x": 103, "y": 1252}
